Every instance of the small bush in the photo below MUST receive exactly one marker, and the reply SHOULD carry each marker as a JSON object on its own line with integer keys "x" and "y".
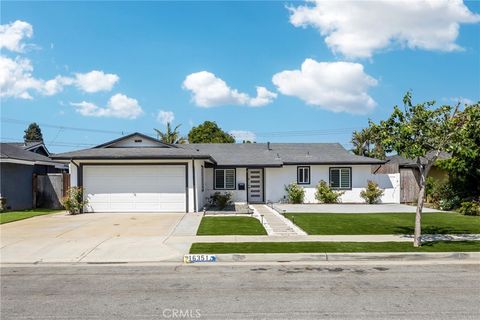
{"x": 470, "y": 208}
{"x": 3, "y": 204}
{"x": 325, "y": 194}
{"x": 442, "y": 195}
{"x": 372, "y": 193}
{"x": 221, "y": 200}
{"x": 295, "y": 193}
{"x": 73, "y": 202}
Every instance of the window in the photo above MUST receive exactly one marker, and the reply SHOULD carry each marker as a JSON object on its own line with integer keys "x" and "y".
{"x": 341, "y": 178}
{"x": 202, "y": 176}
{"x": 225, "y": 179}
{"x": 303, "y": 175}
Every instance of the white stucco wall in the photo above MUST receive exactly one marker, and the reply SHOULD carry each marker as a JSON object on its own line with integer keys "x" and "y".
{"x": 277, "y": 178}
{"x": 72, "y": 169}
{"x": 238, "y": 195}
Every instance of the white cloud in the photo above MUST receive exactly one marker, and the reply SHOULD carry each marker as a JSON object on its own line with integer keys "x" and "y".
{"x": 119, "y": 106}
{"x": 165, "y": 117}
{"x": 263, "y": 97}
{"x": 95, "y": 81}
{"x": 17, "y": 80}
{"x": 13, "y": 34}
{"x": 360, "y": 28}
{"x": 210, "y": 91}
{"x": 241, "y": 135}
{"x": 333, "y": 86}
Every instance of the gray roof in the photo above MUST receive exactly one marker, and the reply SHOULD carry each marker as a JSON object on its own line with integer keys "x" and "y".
{"x": 405, "y": 162}
{"x": 132, "y": 153}
{"x": 251, "y": 154}
{"x": 226, "y": 154}
{"x": 12, "y": 151}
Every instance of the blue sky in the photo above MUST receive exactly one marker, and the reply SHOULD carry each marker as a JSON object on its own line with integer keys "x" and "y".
{"x": 114, "y": 66}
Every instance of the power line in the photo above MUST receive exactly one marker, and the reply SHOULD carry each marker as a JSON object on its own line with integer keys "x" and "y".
{"x": 22, "y": 122}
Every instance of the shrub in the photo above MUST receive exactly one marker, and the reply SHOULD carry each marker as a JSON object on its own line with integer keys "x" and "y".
{"x": 73, "y": 202}
{"x": 372, "y": 193}
{"x": 221, "y": 200}
{"x": 325, "y": 194}
{"x": 295, "y": 193}
{"x": 470, "y": 208}
{"x": 442, "y": 195}
{"x": 3, "y": 204}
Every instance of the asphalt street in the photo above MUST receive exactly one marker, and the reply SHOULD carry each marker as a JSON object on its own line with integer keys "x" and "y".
{"x": 315, "y": 291}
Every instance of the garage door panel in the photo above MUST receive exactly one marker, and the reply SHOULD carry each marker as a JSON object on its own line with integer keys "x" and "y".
{"x": 130, "y": 188}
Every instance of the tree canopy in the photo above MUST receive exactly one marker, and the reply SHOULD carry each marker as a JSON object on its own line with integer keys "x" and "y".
{"x": 209, "y": 132}
{"x": 171, "y": 136}
{"x": 420, "y": 131}
{"x": 367, "y": 143}
{"x": 33, "y": 133}
{"x": 464, "y": 165}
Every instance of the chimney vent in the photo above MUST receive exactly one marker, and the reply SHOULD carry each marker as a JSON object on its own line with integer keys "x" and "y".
{"x": 268, "y": 146}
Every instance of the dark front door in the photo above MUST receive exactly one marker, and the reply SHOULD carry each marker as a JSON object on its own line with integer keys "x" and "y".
{"x": 255, "y": 185}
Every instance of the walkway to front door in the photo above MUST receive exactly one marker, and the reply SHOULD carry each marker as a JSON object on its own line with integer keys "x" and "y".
{"x": 255, "y": 185}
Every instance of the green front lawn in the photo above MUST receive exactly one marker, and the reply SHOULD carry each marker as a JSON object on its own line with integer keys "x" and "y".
{"x": 332, "y": 247}
{"x": 221, "y": 226}
{"x": 384, "y": 223}
{"x": 11, "y": 216}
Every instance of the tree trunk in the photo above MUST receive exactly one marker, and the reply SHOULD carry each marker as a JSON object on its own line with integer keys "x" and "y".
{"x": 418, "y": 215}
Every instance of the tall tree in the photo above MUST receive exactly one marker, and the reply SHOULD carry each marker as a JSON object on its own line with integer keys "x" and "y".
{"x": 33, "y": 133}
{"x": 367, "y": 143}
{"x": 171, "y": 136}
{"x": 421, "y": 132}
{"x": 209, "y": 132}
{"x": 464, "y": 164}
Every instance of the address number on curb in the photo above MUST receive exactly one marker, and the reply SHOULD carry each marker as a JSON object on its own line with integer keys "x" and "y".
{"x": 192, "y": 258}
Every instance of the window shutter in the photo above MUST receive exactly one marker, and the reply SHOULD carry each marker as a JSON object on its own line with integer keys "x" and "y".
{"x": 230, "y": 179}
{"x": 345, "y": 178}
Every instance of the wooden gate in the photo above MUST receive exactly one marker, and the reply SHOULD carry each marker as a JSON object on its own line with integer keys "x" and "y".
{"x": 409, "y": 185}
{"x": 49, "y": 189}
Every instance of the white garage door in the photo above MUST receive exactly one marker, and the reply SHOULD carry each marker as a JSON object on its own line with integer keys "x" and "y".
{"x": 135, "y": 188}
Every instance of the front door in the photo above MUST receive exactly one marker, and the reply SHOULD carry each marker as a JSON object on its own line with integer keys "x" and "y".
{"x": 255, "y": 185}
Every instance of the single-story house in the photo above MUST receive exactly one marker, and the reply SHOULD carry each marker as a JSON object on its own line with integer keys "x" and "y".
{"x": 18, "y": 163}
{"x": 137, "y": 173}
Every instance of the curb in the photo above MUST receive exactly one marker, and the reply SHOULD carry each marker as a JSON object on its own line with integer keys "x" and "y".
{"x": 390, "y": 256}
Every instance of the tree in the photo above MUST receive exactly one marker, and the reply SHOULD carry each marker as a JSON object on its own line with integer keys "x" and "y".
{"x": 419, "y": 132}
{"x": 209, "y": 132}
{"x": 366, "y": 143}
{"x": 33, "y": 133}
{"x": 170, "y": 136}
{"x": 464, "y": 165}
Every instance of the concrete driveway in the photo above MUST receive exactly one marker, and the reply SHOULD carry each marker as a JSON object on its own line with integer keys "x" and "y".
{"x": 349, "y": 208}
{"x": 98, "y": 237}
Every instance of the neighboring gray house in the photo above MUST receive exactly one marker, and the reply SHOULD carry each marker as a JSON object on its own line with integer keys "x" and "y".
{"x": 18, "y": 163}
{"x": 138, "y": 173}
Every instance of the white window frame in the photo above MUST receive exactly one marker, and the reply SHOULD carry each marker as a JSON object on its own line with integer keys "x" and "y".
{"x": 303, "y": 178}
{"x": 225, "y": 170}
